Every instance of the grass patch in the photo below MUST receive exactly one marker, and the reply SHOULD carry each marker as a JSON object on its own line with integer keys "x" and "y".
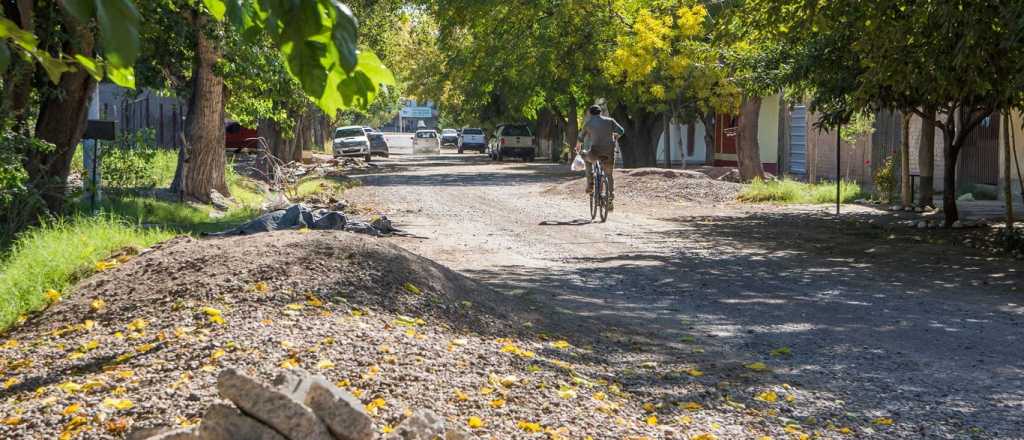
{"x": 792, "y": 191}
{"x": 56, "y": 255}
{"x": 321, "y": 186}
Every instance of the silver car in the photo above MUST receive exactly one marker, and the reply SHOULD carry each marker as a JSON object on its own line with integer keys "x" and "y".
{"x": 351, "y": 141}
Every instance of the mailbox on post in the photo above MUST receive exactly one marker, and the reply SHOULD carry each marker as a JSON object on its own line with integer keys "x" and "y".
{"x": 95, "y": 131}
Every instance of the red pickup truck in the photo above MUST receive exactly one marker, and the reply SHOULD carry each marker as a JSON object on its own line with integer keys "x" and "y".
{"x": 238, "y": 137}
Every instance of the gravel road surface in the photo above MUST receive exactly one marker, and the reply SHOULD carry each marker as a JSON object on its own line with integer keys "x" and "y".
{"x": 859, "y": 331}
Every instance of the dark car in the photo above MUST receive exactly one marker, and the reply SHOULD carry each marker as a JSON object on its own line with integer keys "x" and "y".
{"x": 378, "y": 144}
{"x": 449, "y": 137}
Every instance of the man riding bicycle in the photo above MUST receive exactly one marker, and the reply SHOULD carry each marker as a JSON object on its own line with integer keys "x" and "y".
{"x": 601, "y": 133}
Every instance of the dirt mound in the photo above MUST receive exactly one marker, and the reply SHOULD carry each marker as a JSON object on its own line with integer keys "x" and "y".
{"x": 665, "y": 184}
{"x": 665, "y": 172}
{"x": 140, "y": 345}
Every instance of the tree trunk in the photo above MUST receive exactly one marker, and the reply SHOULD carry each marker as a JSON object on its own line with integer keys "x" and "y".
{"x": 18, "y": 77}
{"x": 572, "y": 122}
{"x": 708, "y": 119}
{"x": 61, "y": 121}
{"x": 905, "y": 198}
{"x": 203, "y": 171}
{"x": 950, "y": 152}
{"x": 1007, "y": 178}
{"x": 926, "y": 159}
{"x": 748, "y": 152}
{"x": 639, "y": 143}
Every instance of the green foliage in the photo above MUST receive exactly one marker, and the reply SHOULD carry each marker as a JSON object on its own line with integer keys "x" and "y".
{"x": 791, "y": 191}
{"x": 21, "y": 200}
{"x": 58, "y": 253}
{"x": 885, "y": 180}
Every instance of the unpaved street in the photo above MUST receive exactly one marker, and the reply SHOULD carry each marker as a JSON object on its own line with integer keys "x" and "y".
{"x": 857, "y": 326}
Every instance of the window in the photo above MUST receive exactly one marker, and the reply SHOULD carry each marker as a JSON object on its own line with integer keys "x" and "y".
{"x": 474, "y": 131}
{"x": 349, "y": 132}
{"x": 426, "y": 134}
{"x": 515, "y": 130}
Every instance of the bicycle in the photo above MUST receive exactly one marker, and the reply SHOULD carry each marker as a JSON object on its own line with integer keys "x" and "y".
{"x": 600, "y": 197}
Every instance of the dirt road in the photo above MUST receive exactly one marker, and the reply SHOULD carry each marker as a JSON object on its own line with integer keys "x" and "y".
{"x": 856, "y": 326}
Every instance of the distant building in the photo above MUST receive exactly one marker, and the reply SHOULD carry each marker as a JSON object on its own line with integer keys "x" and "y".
{"x": 413, "y": 116}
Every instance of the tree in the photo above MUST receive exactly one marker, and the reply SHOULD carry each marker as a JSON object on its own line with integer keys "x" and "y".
{"x": 958, "y": 58}
{"x": 316, "y": 38}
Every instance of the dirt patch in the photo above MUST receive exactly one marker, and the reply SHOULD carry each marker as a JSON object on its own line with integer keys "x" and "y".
{"x": 140, "y": 345}
{"x": 690, "y": 185}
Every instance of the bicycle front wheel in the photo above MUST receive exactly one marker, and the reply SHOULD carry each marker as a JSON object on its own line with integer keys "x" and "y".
{"x": 604, "y": 197}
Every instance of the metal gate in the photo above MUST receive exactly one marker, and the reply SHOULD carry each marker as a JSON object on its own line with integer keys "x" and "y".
{"x": 798, "y": 140}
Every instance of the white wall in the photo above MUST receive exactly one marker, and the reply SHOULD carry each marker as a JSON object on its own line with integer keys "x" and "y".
{"x": 679, "y": 142}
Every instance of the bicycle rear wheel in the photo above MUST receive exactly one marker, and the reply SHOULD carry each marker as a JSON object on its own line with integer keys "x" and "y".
{"x": 604, "y": 197}
{"x": 595, "y": 199}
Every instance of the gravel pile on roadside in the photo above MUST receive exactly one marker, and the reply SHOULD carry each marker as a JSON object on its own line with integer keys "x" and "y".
{"x": 141, "y": 344}
{"x": 666, "y": 184}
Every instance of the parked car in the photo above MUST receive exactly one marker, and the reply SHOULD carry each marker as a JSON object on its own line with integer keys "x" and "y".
{"x": 512, "y": 140}
{"x": 351, "y": 141}
{"x": 238, "y": 137}
{"x": 449, "y": 137}
{"x": 426, "y": 141}
{"x": 472, "y": 139}
{"x": 378, "y": 145}
{"x": 369, "y": 130}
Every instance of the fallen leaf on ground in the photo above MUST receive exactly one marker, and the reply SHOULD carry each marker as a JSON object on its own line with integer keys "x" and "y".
{"x": 497, "y": 403}
{"x": 528, "y": 426}
{"x": 120, "y": 404}
{"x": 652, "y": 421}
{"x": 411, "y": 288}
{"x": 694, "y": 372}
{"x": 325, "y": 365}
{"x": 71, "y": 409}
{"x": 757, "y": 366}
{"x": 561, "y": 344}
{"x": 781, "y": 351}
{"x": 767, "y": 396}
{"x": 475, "y": 423}
{"x": 693, "y": 406}
{"x": 52, "y": 295}
{"x": 883, "y": 421}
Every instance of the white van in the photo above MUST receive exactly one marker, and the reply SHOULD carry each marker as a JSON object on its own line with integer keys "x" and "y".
{"x": 426, "y": 142}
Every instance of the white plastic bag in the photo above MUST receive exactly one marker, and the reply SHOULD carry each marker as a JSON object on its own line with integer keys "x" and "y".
{"x": 578, "y": 164}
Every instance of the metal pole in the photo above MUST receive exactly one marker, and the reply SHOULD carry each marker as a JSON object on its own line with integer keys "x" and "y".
{"x": 839, "y": 178}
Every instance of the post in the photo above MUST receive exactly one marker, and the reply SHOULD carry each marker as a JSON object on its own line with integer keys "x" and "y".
{"x": 90, "y": 154}
{"x": 839, "y": 179}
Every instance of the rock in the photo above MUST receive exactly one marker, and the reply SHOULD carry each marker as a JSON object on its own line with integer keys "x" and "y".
{"x": 919, "y": 209}
{"x": 342, "y": 413}
{"x": 909, "y": 209}
{"x": 219, "y": 201}
{"x": 895, "y": 208}
{"x": 966, "y": 198}
{"x": 223, "y": 422}
{"x": 164, "y": 434}
{"x": 421, "y": 425}
{"x": 272, "y": 407}
{"x": 457, "y": 434}
{"x": 922, "y": 224}
{"x": 958, "y": 224}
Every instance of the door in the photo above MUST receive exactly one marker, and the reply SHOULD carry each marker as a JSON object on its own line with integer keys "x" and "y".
{"x": 798, "y": 140}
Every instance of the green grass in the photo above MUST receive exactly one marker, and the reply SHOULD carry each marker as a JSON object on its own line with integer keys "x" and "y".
{"x": 56, "y": 255}
{"x": 791, "y": 191}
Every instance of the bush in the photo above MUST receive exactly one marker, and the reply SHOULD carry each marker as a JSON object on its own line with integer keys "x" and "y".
{"x": 128, "y": 162}
{"x": 791, "y": 191}
{"x": 885, "y": 180}
{"x": 21, "y": 201}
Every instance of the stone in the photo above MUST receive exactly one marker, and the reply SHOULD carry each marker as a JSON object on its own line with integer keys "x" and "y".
{"x": 272, "y": 407}
{"x": 457, "y": 433}
{"x": 421, "y": 425}
{"x": 222, "y": 422}
{"x": 342, "y": 413}
{"x": 165, "y": 434}
{"x": 958, "y": 224}
{"x": 219, "y": 201}
{"x": 922, "y": 224}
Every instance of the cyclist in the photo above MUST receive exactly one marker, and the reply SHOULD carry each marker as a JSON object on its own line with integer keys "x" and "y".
{"x": 601, "y": 133}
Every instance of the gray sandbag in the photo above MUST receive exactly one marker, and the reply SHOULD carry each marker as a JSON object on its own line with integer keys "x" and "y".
{"x": 294, "y": 217}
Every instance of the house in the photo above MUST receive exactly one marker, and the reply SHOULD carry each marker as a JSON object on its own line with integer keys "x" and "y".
{"x": 687, "y": 140}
